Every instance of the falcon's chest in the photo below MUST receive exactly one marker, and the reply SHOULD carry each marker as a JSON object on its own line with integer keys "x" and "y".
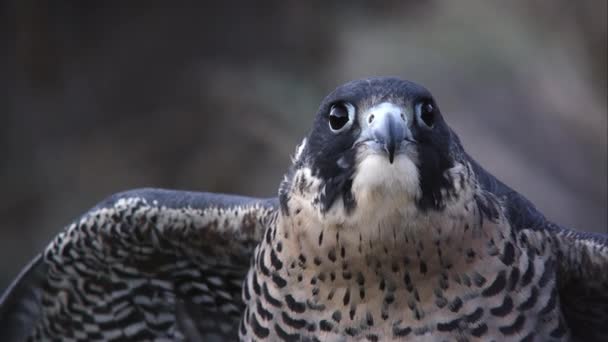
{"x": 397, "y": 282}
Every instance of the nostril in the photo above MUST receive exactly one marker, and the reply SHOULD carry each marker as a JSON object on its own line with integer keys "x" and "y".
{"x": 370, "y": 118}
{"x": 402, "y": 116}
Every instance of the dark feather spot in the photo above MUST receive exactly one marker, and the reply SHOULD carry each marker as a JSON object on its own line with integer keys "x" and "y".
{"x": 504, "y": 309}
{"x": 422, "y": 267}
{"x": 527, "y": 277}
{"x": 265, "y": 314}
{"x": 547, "y": 273}
{"x": 278, "y": 280}
{"x": 513, "y": 278}
{"x": 294, "y": 305}
{"x": 275, "y": 260}
{"x": 531, "y": 301}
{"x": 258, "y": 329}
{"x": 478, "y": 279}
{"x": 346, "y": 298}
{"x": 369, "y": 319}
{"x": 456, "y": 304}
{"x": 283, "y": 335}
{"x": 508, "y": 254}
{"x": 325, "y": 325}
{"x": 474, "y": 316}
{"x": 449, "y": 326}
{"x": 332, "y": 255}
{"x": 317, "y": 261}
{"x": 256, "y": 285}
{"x": 292, "y": 322}
{"x": 351, "y": 331}
{"x": 372, "y": 337}
{"x": 269, "y": 298}
{"x": 401, "y": 332}
{"x": 497, "y": 286}
{"x": 360, "y": 279}
{"x": 479, "y": 330}
{"x": 550, "y": 303}
{"x": 515, "y": 327}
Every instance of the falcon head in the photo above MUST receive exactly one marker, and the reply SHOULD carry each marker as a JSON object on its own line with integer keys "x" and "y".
{"x": 376, "y": 143}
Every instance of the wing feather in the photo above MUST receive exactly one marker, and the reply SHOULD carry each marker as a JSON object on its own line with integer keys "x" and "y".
{"x": 142, "y": 264}
{"x": 582, "y": 259}
{"x": 582, "y": 279}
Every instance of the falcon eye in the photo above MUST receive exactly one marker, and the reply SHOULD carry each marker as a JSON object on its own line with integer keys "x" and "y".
{"x": 340, "y": 117}
{"x": 425, "y": 112}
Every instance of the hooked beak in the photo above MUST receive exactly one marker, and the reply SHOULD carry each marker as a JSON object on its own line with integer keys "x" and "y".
{"x": 389, "y": 128}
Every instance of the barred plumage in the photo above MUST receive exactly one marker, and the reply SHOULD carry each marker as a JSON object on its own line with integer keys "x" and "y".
{"x": 384, "y": 229}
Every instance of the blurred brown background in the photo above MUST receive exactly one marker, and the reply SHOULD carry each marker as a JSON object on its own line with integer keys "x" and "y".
{"x": 102, "y": 98}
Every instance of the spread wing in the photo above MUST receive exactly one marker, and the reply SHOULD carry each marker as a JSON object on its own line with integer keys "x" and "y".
{"x": 581, "y": 260}
{"x": 143, "y": 264}
{"x": 582, "y": 278}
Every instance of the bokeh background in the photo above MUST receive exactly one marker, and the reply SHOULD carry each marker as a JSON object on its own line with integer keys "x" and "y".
{"x": 101, "y": 97}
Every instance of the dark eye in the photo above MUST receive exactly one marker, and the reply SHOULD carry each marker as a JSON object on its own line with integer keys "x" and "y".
{"x": 340, "y": 117}
{"x": 425, "y": 113}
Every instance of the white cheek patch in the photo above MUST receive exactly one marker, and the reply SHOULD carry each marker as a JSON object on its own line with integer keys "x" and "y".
{"x": 299, "y": 151}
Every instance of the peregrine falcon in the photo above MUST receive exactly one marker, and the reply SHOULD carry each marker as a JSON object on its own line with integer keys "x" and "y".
{"x": 384, "y": 229}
